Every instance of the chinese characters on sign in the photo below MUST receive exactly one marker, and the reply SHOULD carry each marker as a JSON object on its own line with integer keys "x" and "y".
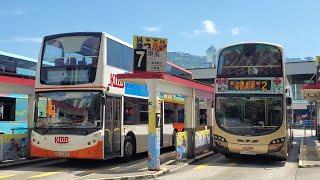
{"x": 250, "y": 85}
{"x": 274, "y": 85}
{"x": 150, "y": 53}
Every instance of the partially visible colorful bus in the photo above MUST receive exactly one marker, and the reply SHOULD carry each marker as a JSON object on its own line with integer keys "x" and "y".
{"x": 252, "y": 101}
{"x": 82, "y": 110}
{"x": 13, "y": 106}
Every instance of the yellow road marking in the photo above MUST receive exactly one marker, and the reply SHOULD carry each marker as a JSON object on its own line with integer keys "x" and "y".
{"x": 7, "y": 176}
{"x": 199, "y": 167}
{"x": 43, "y": 175}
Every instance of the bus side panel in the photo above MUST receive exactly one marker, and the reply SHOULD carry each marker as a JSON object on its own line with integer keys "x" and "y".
{"x": 141, "y": 135}
{"x": 67, "y": 146}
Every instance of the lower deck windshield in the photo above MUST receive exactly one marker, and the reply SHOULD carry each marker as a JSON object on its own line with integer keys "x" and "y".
{"x": 249, "y": 115}
{"x": 68, "y": 111}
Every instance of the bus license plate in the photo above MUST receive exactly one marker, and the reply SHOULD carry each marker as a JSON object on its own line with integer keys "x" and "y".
{"x": 62, "y": 153}
{"x": 248, "y": 151}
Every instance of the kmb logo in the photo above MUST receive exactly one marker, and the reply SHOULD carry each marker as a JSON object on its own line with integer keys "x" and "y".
{"x": 61, "y": 139}
{"x": 115, "y": 82}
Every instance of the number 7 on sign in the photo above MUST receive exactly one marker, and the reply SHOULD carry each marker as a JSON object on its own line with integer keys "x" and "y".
{"x": 140, "y": 60}
{"x": 141, "y": 53}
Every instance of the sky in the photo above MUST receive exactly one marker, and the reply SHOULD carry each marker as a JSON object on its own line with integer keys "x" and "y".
{"x": 190, "y": 26}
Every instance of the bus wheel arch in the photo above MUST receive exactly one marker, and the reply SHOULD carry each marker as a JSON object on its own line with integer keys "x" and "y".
{"x": 130, "y": 146}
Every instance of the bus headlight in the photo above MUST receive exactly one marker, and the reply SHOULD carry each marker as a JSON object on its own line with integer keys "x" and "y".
{"x": 276, "y": 144}
{"x": 220, "y": 142}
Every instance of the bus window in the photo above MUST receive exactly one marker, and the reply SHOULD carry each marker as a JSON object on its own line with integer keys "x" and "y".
{"x": 70, "y": 59}
{"x": 135, "y": 111}
{"x": 7, "y": 109}
{"x": 169, "y": 113}
{"x": 250, "y": 60}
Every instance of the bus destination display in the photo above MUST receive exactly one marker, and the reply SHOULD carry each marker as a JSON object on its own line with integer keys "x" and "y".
{"x": 249, "y": 85}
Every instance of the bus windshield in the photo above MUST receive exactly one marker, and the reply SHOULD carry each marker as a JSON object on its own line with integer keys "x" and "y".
{"x": 250, "y": 60}
{"x": 68, "y": 60}
{"x": 68, "y": 110}
{"x": 249, "y": 116}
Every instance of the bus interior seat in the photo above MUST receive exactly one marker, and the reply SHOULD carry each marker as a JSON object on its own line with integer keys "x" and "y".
{"x": 73, "y": 61}
{"x": 59, "y": 62}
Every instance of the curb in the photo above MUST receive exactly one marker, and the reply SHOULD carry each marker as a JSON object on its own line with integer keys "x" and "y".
{"x": 149, "y": 176}
{"x": 308, "y": 165}
{"x": 300, "y": 152}
{"x": 304, "y": 164}
{"x": 20, "y": 162}
{"x": 163, "y": 170}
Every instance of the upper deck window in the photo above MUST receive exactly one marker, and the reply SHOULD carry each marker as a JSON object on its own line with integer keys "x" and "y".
{"x": 250, "y": 60}
{"x": 69, "y": 60}
{"x": 119, "y": 55}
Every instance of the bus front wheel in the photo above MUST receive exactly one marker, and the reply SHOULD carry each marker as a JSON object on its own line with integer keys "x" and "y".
{"x": 129, "y": 148}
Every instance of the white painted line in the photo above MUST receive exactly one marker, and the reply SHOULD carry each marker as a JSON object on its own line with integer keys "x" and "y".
{"x": 114, "y": 168}
{"x": 168, "y": 162}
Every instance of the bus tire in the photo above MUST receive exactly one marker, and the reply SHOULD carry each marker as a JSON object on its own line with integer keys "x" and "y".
{"x": 129, "y": 148}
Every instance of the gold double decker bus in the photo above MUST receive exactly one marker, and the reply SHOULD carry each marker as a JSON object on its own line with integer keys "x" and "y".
{"x": 252, "y": 105}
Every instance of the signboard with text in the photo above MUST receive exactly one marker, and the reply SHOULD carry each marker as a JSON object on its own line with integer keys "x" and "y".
{"x": 275, "y": 85}
{"x": 150, "y": 54}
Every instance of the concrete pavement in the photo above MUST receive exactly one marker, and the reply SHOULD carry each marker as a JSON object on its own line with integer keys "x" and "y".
{"x": 211, "y": 166}
{"x": 246, "y": 168}
{"x": 309, "y": 150}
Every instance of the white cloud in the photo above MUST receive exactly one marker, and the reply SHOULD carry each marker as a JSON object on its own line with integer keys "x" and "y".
{"x": 19, "y": 39}
{"x": 152, "y": 28}
{"x": 209, "y": 27}
{"x": 235, "y": 31}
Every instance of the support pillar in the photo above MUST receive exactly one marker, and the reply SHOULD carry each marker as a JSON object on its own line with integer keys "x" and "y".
{"x": 154, "y": 107}
{"x": 31, "y": 105}
{"x": 318, "y": 120}
{"x": 210, "y": 118}
{"x": 189, "y": 123}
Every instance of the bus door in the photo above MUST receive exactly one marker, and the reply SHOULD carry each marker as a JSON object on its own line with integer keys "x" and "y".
{"x": 112, "y": 138}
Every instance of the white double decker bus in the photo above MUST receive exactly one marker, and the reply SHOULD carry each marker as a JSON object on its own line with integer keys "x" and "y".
{"x": 82, "y": 110}
{"x": 253, "y": 105}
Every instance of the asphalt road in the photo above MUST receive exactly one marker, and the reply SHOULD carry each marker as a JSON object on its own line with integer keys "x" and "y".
{"x": 78, "y": 169}
{"x": 213, "y": 167}
{"x": 255, "y": 168}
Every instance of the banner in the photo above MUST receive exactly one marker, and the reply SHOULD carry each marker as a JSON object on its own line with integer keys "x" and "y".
{"x": 202, "y": 140}
{"x": 181, "y": 145}
{"x": 150, "y": 54}
{"x": 13, "y": 146}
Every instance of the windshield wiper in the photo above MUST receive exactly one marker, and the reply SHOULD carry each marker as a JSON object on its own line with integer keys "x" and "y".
{"x": 47, "y": 129}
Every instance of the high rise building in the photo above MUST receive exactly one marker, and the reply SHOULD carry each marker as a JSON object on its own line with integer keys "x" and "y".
{"x": 211, "y": 55}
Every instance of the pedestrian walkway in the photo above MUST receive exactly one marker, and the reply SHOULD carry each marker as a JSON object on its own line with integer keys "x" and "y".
{"x": 309, "y": 152}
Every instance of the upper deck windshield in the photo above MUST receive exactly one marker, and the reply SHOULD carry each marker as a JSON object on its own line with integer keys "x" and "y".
{"x": 62, "y": 111}
{"x": 70, "y": 59}
{"x": 250, "y": 60}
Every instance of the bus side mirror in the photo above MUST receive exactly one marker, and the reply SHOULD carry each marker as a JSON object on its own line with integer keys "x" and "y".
{"x": 289, "y": 101}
